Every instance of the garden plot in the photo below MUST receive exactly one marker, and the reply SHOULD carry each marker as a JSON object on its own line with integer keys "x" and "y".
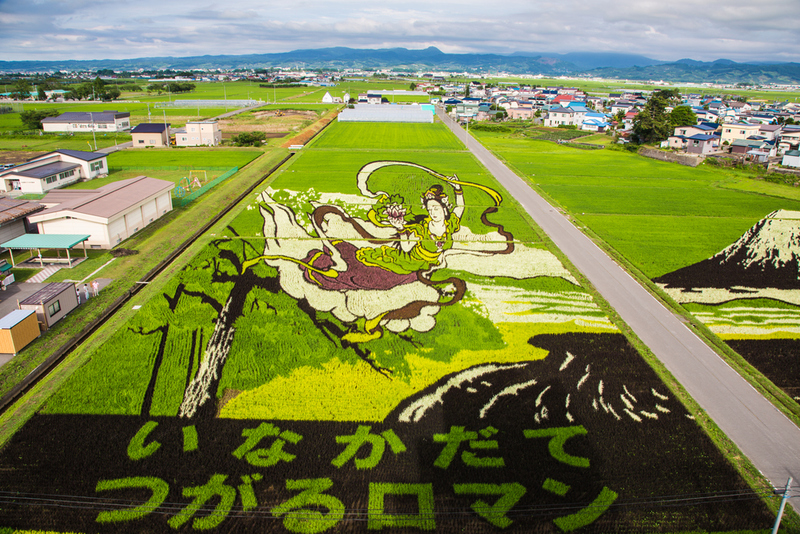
{"x": 386, "y": 351}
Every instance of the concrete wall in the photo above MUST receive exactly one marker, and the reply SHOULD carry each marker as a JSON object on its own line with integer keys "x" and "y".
{"x": 683, "y": 159}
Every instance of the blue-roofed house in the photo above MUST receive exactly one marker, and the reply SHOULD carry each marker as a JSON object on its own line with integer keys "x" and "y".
{"x": 53, "y": 170}
{"x": 150, "y": 134}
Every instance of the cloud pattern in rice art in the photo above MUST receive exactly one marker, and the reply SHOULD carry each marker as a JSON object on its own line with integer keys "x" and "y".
{"x": 374, "y": 273}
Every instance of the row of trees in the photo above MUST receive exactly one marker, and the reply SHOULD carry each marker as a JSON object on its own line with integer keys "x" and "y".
{"x": 171, "y": 87}
{"x": 97, "y": 89}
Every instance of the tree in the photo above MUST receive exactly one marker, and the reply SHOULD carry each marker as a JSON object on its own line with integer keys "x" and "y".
{"x": 42, "y": 95}
{"x": 32, "y": 119}
{"x": 413, "y": 86}
{"x": 682, "y": 116}
{"x": 249, "y": 139}
{"x": 652, "y": 124}
{"x": 21, "y": 90}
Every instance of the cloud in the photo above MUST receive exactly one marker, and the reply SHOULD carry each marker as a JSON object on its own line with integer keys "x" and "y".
{"x": 90, "y": 29}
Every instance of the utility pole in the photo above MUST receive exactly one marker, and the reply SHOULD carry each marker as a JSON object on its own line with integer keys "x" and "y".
{"x": 783, "y": 505}
{"x": 94, "y": 137}
{"x": 166, "y": 127}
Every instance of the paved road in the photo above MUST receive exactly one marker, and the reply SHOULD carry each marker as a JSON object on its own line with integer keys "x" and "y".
{"x": 768, "y": 438}
{"x": 115, "y": 148}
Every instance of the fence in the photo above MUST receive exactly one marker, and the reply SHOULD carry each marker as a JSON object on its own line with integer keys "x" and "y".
{"x": 181, "y": 201}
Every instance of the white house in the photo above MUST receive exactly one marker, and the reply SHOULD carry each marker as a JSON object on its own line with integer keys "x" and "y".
{"x": 791, "y": 158}
{"x": 53, "y": 170}
{"x": 109, "y": 214}
{"x": 86, "y": 121}
{"x": 199, "y": 133}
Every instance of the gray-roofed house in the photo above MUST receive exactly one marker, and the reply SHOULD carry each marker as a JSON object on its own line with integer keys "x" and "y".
{"x": 150, "y": 134}
{"x": 51, "y": 303}
{"x": 109, "y": 214}
{"x": 53, "y": 170}
{"x": 86, "y": 121}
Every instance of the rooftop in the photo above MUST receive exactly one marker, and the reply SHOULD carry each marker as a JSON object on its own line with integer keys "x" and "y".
{"x": 48, "y": 292}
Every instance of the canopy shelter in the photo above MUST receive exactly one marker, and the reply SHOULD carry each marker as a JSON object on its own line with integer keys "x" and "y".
{"x": 46, "y": 241}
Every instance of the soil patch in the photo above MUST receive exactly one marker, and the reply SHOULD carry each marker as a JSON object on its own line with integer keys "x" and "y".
{"x": 17, "y": 156}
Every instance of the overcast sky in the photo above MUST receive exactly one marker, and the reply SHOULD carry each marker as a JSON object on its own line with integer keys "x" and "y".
{"x": 741, "y": 30}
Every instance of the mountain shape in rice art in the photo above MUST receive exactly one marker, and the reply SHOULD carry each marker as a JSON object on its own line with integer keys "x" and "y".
{"x": 766, "y": 256}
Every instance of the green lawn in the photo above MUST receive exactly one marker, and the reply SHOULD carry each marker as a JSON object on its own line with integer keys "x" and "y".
{"x": 196, "y": 158}
{"x": 52, "y": 141}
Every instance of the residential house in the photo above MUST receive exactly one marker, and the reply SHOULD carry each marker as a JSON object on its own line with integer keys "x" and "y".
{"x": 595, "y": 122}
{"x": 560, "y": 116}
{"x": 769, "y": 131}
{"x": 791, "y": 158}
{"x": 199, "y": 133}
{"x": 150, "y": 135}
{"x": 86, "y": 121}
{"x": 53, "y": 170}
{"x": 702, "y": 143}
{"x": 753, "y": 149}
{"x": 740, "y": 130}
{"x": 108, "y": 214}
{"x": 789, "y": 139}
{"x": 522, "y": 110}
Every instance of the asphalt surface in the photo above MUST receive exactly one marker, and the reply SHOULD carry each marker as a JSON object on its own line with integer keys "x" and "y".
{"x": 767, "y": 437}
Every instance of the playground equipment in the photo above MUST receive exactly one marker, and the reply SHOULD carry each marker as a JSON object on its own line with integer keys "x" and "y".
{"x": 192, "y": 182}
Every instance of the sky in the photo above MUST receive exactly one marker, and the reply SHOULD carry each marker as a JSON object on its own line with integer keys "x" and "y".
{"x": 668, "y": 30}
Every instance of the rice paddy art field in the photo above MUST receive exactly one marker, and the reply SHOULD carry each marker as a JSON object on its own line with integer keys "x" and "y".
{"x": 724, "y": 246}
{"x": 377, "y": 341}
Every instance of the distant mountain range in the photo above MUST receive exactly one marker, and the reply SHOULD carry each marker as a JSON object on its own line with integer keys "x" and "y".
{"x": 607, "y": 65}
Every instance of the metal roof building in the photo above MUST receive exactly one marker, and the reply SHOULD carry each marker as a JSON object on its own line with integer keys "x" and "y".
{"x": 386, "y": 113}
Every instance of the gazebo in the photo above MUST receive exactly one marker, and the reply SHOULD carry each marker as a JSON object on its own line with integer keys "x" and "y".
{"x": 48, "y": 242}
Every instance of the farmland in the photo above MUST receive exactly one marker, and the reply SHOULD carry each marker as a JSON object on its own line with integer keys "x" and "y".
{"x": 307, "y": 370}
{"x": 388, "y": 136}
{"x": 690, "y": 230}
{"x": 660, "y": 216}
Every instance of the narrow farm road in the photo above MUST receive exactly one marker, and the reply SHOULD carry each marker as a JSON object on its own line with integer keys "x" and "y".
{"x": 768, "y": 438}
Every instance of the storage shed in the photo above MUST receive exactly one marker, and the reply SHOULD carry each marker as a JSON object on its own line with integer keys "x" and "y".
{"x": 17, "y": 329}
{"x": 52, "y": 302}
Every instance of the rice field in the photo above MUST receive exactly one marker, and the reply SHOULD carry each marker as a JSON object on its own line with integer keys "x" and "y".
{"x": 660, "y": 216}
{"x": 388, "y": 136}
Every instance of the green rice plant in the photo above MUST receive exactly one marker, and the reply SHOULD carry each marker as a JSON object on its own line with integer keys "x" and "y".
{"x": 388, "y": 136}
{"x": 661, "y": 216}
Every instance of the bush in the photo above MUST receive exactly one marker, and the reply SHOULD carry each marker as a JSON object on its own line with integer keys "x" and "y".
{"x": 249, "y": 139}
{"x": 33, "y": 118}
